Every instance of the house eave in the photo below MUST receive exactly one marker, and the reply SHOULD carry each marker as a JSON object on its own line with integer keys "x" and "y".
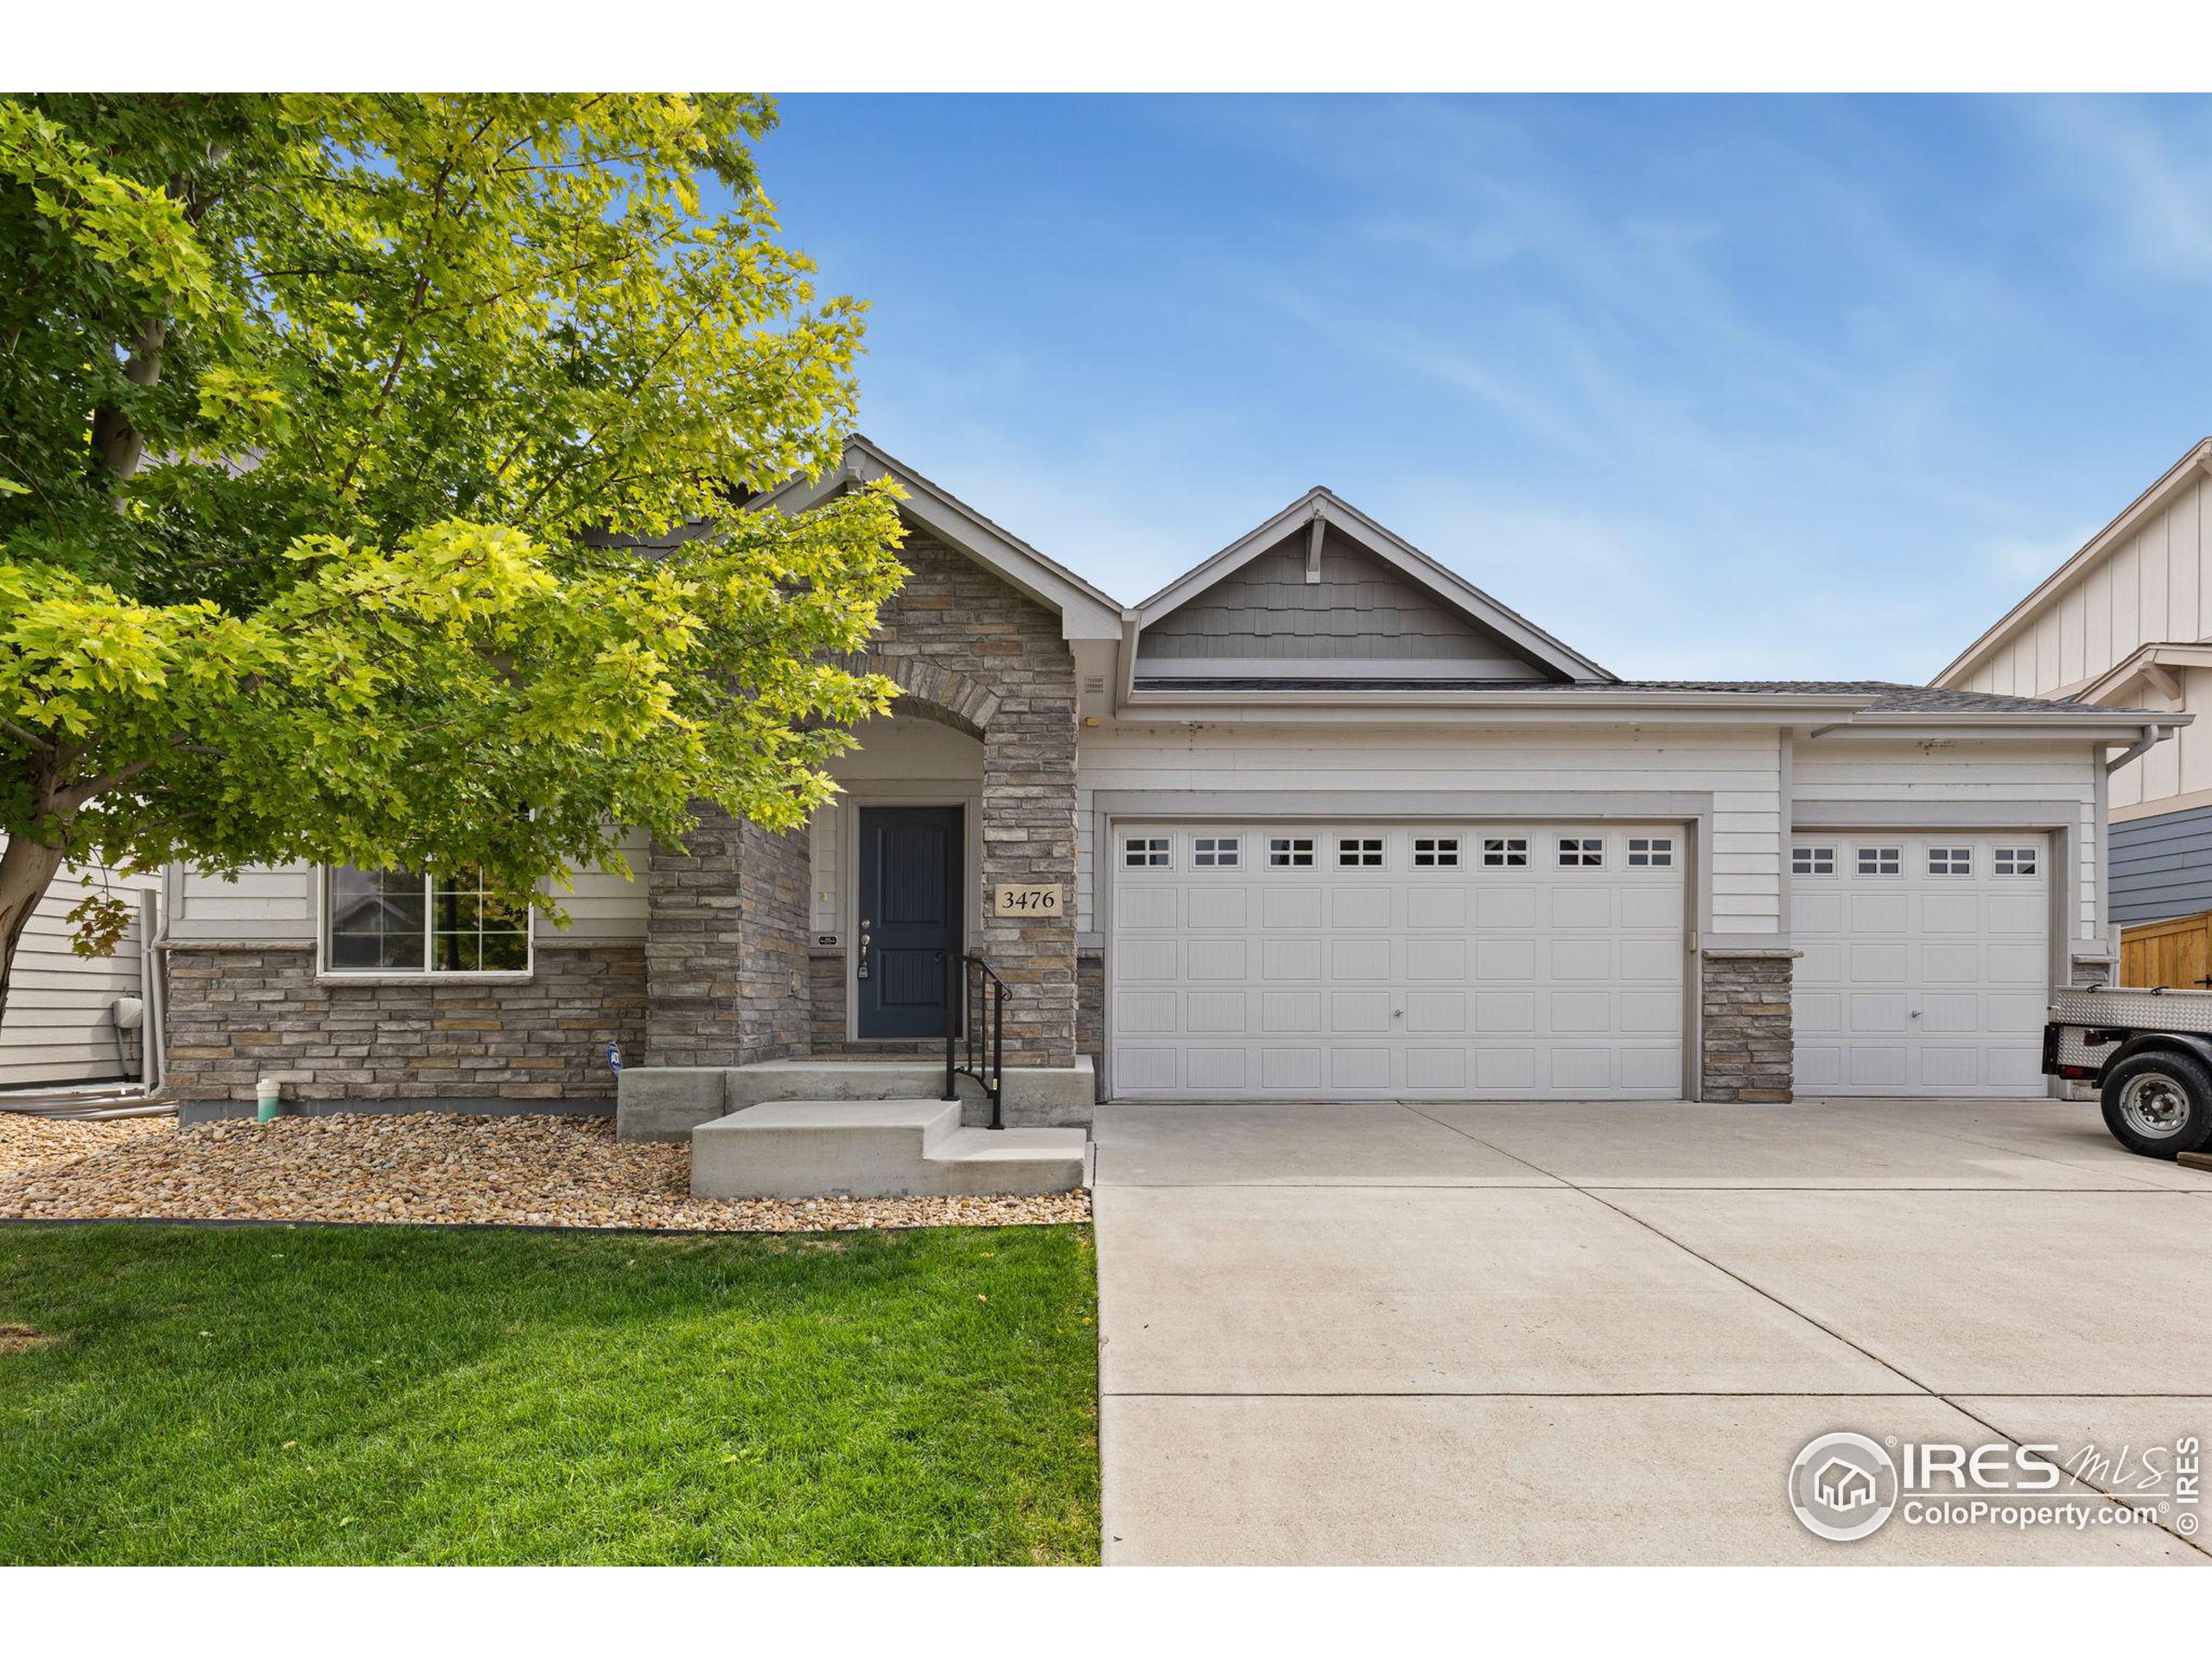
{"x": 1086, "y": 613}
{"x": 1512, "y": 708}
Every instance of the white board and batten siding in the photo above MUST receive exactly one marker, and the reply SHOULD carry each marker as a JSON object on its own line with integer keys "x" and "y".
{"x": 59, "y": 1027}
{"x": 2154, "y": 587}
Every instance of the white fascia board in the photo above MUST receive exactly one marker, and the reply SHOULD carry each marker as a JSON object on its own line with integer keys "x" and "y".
{"x": 1563, "y": 707}
{"x": 2181, "y": 473}
{"x": 1453, "y": 589}
{"x": 1085, "y": 612}
{"x": 2123, "y": 726}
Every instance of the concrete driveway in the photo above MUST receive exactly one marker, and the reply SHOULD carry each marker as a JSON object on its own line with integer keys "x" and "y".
{"x": 1601, "y": 1332}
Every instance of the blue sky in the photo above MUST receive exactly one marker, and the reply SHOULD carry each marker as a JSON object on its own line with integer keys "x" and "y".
{"x": 1748, "y": 388}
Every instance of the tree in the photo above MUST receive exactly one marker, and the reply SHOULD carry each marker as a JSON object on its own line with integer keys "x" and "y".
{"x": 330, "y": 428}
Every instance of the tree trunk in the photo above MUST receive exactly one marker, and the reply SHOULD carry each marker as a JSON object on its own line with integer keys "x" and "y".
{"x": 27, "y": 869}
{"x": 118, "y": 444}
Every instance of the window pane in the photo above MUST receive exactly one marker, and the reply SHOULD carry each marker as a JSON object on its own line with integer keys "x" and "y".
{"x": 376, "y": 920}
{"x": 473, "y": 932}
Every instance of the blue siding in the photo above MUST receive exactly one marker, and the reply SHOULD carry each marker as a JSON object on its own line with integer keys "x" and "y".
{"x": 2162, "y": 868}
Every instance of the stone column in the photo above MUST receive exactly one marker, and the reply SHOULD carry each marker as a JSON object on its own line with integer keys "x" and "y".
{"x": 1746, "y": 1054}
{"x": 725, "y": 967}
{"x": 1029, "y": 812}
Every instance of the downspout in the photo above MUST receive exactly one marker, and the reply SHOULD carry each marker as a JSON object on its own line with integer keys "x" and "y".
{"x": 2153, "y": 734}
{"x": 153, "y": 947}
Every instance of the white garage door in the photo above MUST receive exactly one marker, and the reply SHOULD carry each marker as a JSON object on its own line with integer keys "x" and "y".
{"x": 1380, "y": 961}
{"x": 1925, "y": 963}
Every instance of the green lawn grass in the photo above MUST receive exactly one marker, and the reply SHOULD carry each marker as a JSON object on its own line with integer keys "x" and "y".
{"x": 417, "y": 1395}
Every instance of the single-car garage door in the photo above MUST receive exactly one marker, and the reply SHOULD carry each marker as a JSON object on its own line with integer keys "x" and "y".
{"x": 1925, "y": 963}
{"x": 1376, "y": 961}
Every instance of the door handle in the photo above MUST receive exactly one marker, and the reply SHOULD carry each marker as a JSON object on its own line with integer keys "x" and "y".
{"x": 861, "y": 972}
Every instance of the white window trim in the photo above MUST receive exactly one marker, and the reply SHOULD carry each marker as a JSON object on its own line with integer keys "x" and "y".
{"x": 1506, "y": 852}
{"x": 1579, "y": 852}
{"x": 1896, "y": 855}
{"x": 1958, "y": 862}
{"x": 1152, "y": 844}
{"x": 1217, "y": 852}
{"x": 1283, "y": 853}
{"x": 1812, "y": 855}
{"x": 1363, "y": 846}
{"x": 324, "y": 974}
{"x": 1443, "y": 853}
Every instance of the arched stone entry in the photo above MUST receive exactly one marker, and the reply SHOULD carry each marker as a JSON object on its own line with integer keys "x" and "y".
{"x": 727, "y": 952}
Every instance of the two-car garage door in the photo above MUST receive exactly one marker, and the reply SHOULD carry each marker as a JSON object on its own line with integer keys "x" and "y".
{"x": 1378, "y": 961}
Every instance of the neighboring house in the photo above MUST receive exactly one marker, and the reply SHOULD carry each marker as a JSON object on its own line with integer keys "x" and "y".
{"x": 2127, "y": 621}
{"x": 1324, "y": 821}
{"x": 62, "y": 1028}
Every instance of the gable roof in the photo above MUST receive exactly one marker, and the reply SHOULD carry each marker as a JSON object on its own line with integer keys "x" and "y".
{"x": 1086, "y": 612}
{"x": 2182, "y": 474}
{"x": 1455, "y": 592}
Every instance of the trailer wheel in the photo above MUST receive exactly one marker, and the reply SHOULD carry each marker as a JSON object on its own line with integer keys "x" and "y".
{"x": 2159, "y": 1103}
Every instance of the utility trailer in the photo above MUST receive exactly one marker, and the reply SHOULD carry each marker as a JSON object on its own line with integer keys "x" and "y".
{"x": 2148, "y": 1052}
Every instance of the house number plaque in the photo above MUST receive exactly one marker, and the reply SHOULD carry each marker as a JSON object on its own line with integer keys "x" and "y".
{"x": 1026, "y": 899}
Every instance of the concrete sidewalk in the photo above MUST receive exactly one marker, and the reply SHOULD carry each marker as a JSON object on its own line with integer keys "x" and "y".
{"x": 1601, "y": 1332}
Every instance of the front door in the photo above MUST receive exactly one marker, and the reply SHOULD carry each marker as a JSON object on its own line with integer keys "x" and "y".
{"x": 910, "y": 917}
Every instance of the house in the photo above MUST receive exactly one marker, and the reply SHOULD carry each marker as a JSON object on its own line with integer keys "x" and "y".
{"x": 1321, "y": 820}
{"x": 75, "y": 1021}
{"x": 2127, "y": 621}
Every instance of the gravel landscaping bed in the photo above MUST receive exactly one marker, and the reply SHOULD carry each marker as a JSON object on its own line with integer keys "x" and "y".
{"x": 27, "y": 1142}
{"x": 423, "y": 1167}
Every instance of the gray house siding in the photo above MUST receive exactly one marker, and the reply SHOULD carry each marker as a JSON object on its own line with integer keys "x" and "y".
{"x": 2162, "y": 867}
{"x": 1360, "y": 612}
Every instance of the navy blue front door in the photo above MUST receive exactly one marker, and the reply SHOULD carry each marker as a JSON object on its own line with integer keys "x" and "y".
{"x": 909, "y": 917}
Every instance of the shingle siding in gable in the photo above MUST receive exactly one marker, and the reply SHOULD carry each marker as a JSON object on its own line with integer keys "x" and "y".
{"x": 1360, "y": 611}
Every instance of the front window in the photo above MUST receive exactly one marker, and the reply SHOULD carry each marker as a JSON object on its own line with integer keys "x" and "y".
{"x": 396, "y": 922}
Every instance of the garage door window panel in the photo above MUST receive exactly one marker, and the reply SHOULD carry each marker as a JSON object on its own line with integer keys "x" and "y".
{"x": 1216, "y": 852}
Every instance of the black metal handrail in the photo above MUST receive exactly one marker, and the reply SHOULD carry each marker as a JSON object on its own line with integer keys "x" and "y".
{"x": 976, "y": 993}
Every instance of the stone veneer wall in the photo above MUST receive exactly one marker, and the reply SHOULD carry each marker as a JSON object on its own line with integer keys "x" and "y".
{"x": 1746, "y": 1049}
{"x": 1090, "y": 1009}
{"x": 982, "y": 658}
{"x": 236, "y": 1015}
{"x": 726, "y": 946}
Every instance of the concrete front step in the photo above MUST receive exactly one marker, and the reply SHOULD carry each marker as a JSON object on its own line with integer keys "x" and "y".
{"x": 874, "y": 1149}
{"x": 666, "y": 1102}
